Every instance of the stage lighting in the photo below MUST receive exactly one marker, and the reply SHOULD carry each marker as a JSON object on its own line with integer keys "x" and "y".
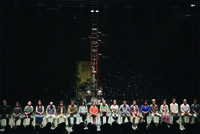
{"x": 92, "y": 11}
{"x": 192, "y": 5}
{"x": 97, "y": 11}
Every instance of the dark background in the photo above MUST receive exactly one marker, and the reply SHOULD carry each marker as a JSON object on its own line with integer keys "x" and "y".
{"x": 41, "y": 42}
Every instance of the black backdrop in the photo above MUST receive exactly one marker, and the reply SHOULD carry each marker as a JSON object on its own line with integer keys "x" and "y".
{"x": 40, "y": 45}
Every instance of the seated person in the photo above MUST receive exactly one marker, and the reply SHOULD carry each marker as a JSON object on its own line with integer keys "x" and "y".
{"x": 39, "y": 113}
{"x": 5, "y": 112}
{"x": 154, "y": 110}
{"x": 28, "y": 111}
{"x": 61, "y": 112}
{"x": 164, "y": 110}
{"x": 51, "y": 112}
{"x": 93, "y": 112}
{"x": 145, "y": 110}
{"x": 104, "y": 111}
{"x": 72, "y": 109}
{"x": 124, "y": 111}
{"x": 83, "y": 112}
{"x": 174, "y": 110}
{"x": 114, "y": 109}
{"x": 135, "y": 112}
{"x": 16, "y": 113}
{"x": 185, "y": 111}
{"x": 196, "y": 110}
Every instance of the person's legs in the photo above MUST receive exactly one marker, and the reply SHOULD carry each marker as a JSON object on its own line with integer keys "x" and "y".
{"x": 65, "y": 119}
{"x": 94, "y": 121}
{"x": 140, "y": 116}
{"x": 14, "y": 121}
{"x": 31, "y": 120}
{"x": 123, "y": 119}
{"x": 158, "y": 115}
{"x": 174, "y": 117}
{"x": 133, "y": 115}
{"x": 7, "y": 120}
{"x": 47, "y": 117}
{"x": 101, "y": 117}
{"x": 177, "y": 116}
{"x": 116, "y": 117}
{"x": 84, "y": 118}
{"x": 54, "y": 118}
{"x": 36, "y": 119}
{"x": 128, "y": 117}
{"x": 58, "y": 117}
{"x": 22, "y": 120}
{"x": 190, "y": 117}
{"x": 69, "y": 122}
{"x": 107, "y": 117}
{"x": 144, "y": 117}
{"x": 182, "y": 117}
{"x": 74, "y": 119}
{"x": 152, "y": 117}
{"x": 167, "y": 118}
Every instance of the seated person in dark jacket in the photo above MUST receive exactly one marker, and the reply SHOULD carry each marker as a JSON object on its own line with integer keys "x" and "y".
{"x": 61, "y": 111}
{"x": 5, "y": 112}
{"x": 16, "y": 113}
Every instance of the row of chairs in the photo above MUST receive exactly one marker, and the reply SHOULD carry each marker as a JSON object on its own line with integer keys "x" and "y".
{"x": 79, "y": 119}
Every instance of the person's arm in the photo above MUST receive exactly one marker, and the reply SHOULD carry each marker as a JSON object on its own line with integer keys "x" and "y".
{"x": 36, "y": 110}
{"x": 31, "y": 110}
{"x": 14, "y": 111}
{"x": 47, "y": 111}
{"x": 54, "y": 110}
{"x": 79, "y": 109}
{"x": 170, "y": 106}
{"x": 65, "y": 110}
{"x": 101, "y": 109}
{"x": 128, "y": 109}
{"x": 188, "y": 108}
{"x": 192, "y": 108}
{"x": 97, "y": 110}
{"x": 42, "y": 109}
{"x": 151, "y": 109}
{"x": 90, "y": 110}
{"x": 74, "y": 111}
{"x": 161, "y": 109}
{"x": 156, "y": 109}
{"x": 137, "y": 110}
{"x": 69, "y": 109}
{"x": 167, "y": 110}
{"x": 20, "y": 111}
{"x": 181, "y": 107}
{"x": 107, "y": 109}
{"x": 25, "y": 110}
{"x": 141, "y": 109}
{"x": 120, "y": 110}
{"x": 117, "y": 109}
{"x": 131, "y": 109}
{"x": 111, "y": 109}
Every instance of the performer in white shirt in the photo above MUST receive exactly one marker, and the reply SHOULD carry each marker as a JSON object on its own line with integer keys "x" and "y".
{"x": 174, "y": 110}
{"x": 114, "y": 109}
{"x": 185, "y": 111}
